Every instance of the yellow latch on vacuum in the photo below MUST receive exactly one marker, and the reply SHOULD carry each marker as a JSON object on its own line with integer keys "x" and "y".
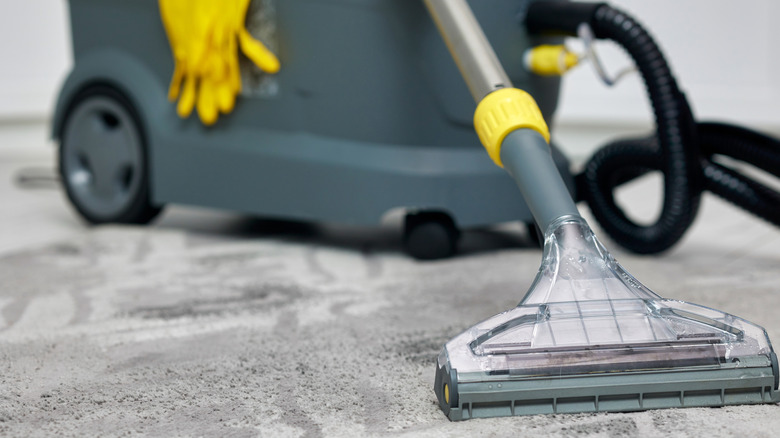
{"x": 549, "y": 60}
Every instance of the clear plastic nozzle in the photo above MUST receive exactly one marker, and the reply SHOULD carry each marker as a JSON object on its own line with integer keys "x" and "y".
{"x": 585, "y": 313}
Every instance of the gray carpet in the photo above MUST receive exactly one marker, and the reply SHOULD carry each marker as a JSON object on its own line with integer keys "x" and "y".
{"x": 289, "y": 330}
{"x": 210, "y": 324}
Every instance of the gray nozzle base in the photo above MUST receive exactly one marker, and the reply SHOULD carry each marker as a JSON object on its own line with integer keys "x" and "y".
{"x": 617, "y": 392}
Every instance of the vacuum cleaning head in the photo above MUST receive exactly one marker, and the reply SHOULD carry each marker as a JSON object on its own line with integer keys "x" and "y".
{"x": 589, "y": 337}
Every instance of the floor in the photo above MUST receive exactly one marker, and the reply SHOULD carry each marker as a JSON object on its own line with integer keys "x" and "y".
{"x": 210, "y": 323}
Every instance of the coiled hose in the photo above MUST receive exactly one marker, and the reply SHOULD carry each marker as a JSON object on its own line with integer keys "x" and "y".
{"x": 681, "y": 148}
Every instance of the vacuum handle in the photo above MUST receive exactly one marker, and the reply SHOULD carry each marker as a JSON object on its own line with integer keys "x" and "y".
{"x": 507, "y": 120}
{"x": 469, "y": 47}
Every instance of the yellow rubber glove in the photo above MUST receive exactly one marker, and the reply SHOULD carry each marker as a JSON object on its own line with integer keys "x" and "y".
{"x": 205, "y": 36}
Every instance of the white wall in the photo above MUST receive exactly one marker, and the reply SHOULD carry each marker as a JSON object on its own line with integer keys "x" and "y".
{"x": 35, "y": 55}
{"x": 723, "y": 52}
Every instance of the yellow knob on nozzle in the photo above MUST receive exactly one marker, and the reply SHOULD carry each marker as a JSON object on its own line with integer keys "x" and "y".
{"x": 502, "y": 112}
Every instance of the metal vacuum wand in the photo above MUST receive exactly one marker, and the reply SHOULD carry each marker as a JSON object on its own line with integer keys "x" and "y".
{"x": 507, "y": 120}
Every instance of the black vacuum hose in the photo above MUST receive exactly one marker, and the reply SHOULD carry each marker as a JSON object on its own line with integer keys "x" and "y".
{"x": 681, "y": 149}
{"x": 748, "y": 146}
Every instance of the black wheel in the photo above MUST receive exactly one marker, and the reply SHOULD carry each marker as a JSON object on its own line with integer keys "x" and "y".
{"x": 430, "y": 235}
{"x": 103, "y": 159}
{"x": 534, "y": 235}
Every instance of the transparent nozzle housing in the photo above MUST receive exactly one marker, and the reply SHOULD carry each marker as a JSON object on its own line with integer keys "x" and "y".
{"x": 585, "y": 314}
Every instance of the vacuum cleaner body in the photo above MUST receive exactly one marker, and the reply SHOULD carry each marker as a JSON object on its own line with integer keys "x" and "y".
{"x": 367, "y": 114}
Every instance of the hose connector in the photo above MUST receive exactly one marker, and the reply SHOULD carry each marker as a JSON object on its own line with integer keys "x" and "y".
{"x": 502, "y": 112}
{"x": 549, "y": 60}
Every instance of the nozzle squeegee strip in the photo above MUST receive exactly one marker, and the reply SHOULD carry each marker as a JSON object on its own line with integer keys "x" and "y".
{"x": 609, "y": 392}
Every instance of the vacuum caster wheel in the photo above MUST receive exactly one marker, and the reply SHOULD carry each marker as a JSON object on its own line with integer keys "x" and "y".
{"x": 535, "y": 235}
{"x": 430, "y": 235}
